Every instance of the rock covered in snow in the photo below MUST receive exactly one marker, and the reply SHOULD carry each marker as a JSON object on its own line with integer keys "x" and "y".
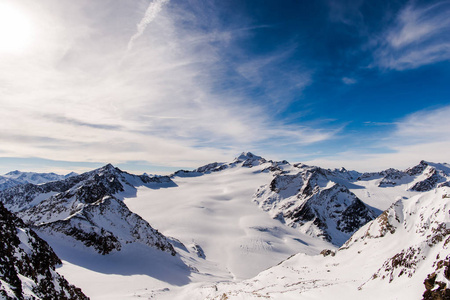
{"x": 27, "y": 264}
{"x": 14, "y": 178}
{"x": 311, "y": 201}
{"x": 87, "y": 208}
{"x": 421, "y": 178}
{"x": 249, "y": 160}
{"x": 245, "y": 159}
{"x": 421, "y": 223}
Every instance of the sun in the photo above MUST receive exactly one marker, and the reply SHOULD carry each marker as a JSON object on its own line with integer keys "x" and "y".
{"x": 15, "y": 29}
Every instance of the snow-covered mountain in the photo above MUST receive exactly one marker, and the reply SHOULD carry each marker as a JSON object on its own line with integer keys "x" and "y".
{"x": 14, "y": 178}
{"x": 225, "y": 227}
{"x": 89, "y": 208}
{"x": 245, "y": 159}
{"x": 420, "y": 178}
{"x": 315, "y": 201}
{"x": 27, "y": 264}
{"x": 402, "y": 254}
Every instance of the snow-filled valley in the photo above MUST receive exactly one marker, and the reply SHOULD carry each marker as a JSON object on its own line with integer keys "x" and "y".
{"x": 246, "y": 229}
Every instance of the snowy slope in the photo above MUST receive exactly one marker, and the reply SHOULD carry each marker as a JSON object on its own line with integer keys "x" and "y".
{"x": 403, "y": 254}
{"x": 214, "y": 210}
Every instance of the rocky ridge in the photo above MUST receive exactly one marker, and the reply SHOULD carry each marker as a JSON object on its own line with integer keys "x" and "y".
{"x": 27, "y": 264}
{"x": 313, "y": 200}
{"x": 15, "y": 178}
{"x": 89, "y": 208}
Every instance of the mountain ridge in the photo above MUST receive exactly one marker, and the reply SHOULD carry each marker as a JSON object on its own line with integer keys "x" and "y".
{"x": 221, "y": 219}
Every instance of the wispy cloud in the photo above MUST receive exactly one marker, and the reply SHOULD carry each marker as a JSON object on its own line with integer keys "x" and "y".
{"x": 418, "y": 36}
{"x": 164, "y": 103}
{"x": 150, "y": 14}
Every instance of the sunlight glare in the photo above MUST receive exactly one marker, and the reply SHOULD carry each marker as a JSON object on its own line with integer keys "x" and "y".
{"x": 15, "y": 29}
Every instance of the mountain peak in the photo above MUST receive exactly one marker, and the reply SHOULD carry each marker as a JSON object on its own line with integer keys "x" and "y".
{"x": 108, "y": 168}
{"x": 15, "y": 172}
{"x": 246, "y": 156}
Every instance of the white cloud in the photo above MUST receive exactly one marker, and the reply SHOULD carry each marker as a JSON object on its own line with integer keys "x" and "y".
{"x": 424, "y": 135}
{"x": 76, "y": 97}
{"x": 419, "y": 36}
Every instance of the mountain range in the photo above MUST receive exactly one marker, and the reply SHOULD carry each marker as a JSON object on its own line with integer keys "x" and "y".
{"x": 245, "y": 229}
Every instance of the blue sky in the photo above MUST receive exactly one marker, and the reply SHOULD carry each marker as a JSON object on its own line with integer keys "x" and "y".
{"x": 155, "y": 86}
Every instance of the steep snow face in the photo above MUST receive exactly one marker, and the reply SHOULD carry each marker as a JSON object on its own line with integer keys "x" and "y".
{"x": 403, "y": 254}
{"x": 27, "y": 264}
{"x": 312, "y": 200}
{"x": 89, "y": 208}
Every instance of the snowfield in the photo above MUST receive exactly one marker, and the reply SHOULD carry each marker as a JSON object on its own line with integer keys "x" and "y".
{"x": 215, "y": 211}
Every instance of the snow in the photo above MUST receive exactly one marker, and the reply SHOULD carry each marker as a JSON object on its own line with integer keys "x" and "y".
{"x": 349, "y": 274}
{"x": 228, "y": 247}
{"x": 120, "y": 275}
{"x": 216, "y": 211}
{"x": 381, "y": 197}
{"x": 212, "y": 212}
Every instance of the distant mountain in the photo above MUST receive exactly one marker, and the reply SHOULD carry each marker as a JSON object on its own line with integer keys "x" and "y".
{"x": 27, "y": 264}
{"x": 17, "y": 177}
{"x": 245, "y": 159}
{"x": 421, "y": 178}
{"x": 88, "y": 208}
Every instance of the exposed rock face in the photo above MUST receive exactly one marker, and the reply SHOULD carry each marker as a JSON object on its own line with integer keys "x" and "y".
{"x": 432, "y": 177}
{"x": 416, "y": 170}
{"x": 434, "y": 289}
{"x": 87, "y": 208}
{"x": 313, "y": 202}
{"x": 27, "y": 264}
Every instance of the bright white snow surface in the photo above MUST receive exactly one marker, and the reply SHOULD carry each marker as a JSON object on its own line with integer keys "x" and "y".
{"x": 220, "y": 234}
{"x": 363, "y": 268}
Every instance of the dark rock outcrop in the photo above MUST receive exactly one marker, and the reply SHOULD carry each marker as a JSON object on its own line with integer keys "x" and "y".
{"x": 25, "y": 256}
